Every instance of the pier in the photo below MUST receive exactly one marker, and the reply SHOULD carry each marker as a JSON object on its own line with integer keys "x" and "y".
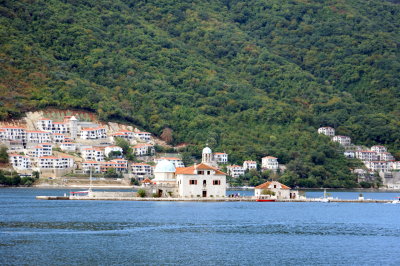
{"x": 225, "y": 199}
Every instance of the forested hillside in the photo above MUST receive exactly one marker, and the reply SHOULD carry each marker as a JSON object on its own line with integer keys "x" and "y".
{"x": 250, "y": 78}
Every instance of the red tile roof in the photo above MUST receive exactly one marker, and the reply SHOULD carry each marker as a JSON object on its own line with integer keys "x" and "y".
{"x": 190, "y": 170}
{"x": 267, "y": 184}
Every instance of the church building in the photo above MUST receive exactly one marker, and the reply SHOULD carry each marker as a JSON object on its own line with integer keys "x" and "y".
{"x": 198, "y": 181}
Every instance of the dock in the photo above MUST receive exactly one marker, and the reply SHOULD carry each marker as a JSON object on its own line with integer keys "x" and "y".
{"x": 225, "y": 199}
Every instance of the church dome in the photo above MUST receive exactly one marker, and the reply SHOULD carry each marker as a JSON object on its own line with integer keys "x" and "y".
{"x": 164, "y": 167}
{"x": 207, "y": 150}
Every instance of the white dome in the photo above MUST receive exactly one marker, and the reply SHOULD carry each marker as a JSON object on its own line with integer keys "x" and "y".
{"x": 164, "y": 167}
{"x": 207, "y": 150}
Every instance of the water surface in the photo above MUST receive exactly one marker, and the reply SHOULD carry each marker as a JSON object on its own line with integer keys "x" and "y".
{"x": 34, "y": 232}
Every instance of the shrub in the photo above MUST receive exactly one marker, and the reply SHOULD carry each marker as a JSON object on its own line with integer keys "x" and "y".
{"x": 142, "y": 193}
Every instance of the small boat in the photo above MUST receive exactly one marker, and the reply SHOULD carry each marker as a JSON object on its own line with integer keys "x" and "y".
{"x": 265, "y": 200}
{"x": 396, "y": 201}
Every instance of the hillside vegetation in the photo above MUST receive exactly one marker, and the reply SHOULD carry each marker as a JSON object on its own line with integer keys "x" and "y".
{"x": 250, "y": 78}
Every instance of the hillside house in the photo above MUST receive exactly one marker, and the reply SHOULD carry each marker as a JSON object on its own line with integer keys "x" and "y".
{"x": 38, "y": 136}
{"x": 13, "y": 133}
{"x": 58, "y": 138}
{"x": 52, "y": 162}
{"x": 142, "y": 136}
{"x": 141, "y": 170}
{"x": 142, "y": 149}
{"x": 367, "y": 155}
{"x": 93, "y": 154}
{"x": 20, "y": 162}
{"x": 249, "y": 165}
{"x": 328, "y": 131}
{"x": 269, "y": 163}
{"x": 235, "y": 170}
{"x": 113, "y": 148}
{"x": 93, "y": 133}
{"x": 68, "y": 146}
{"x": 342, "y": 140}
{"x": 378, "y": 166}
{"x": 378, "y": 148}
{"x": 176, "y": 161}
{"x": 221, "y": 157}
{"x": 43, "y": 149}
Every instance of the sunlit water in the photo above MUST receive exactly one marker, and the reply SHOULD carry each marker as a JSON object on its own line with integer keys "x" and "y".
{"x": 34, "y": 232}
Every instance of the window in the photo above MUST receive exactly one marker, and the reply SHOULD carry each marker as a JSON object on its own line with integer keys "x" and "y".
{"x": 216, "y": 182}
{"x": 200, "y": 172}
{"x": 208, "y": 172}
{"x": 192, "y": 182}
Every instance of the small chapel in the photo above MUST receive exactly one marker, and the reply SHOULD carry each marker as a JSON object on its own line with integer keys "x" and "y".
{"x": 202, "y": 180}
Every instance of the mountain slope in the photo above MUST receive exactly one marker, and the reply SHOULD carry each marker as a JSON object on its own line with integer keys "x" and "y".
{"x": 248, "y": 77}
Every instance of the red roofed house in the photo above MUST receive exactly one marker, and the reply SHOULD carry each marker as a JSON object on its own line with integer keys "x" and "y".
{"x": 20, "y": 162}
{"x": 142, "y": 170}
{"x": 93, "y": 133}
{"x": 235, "y": 170}
{"x": 93, "y": 154}
{"x": 249, "y": 165}
{"x": 221, "y": 157}
{"x": 269, "y": 163}
{"x": 37, "y": 136}
{"x": 52, "y": 162}
{"x": 143, "y": 149}
{"x": 13, "y": 133}
{"x": 280, "y": 190}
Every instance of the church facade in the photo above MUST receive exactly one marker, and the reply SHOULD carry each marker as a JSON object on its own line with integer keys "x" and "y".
{"x": 202, "y": 180}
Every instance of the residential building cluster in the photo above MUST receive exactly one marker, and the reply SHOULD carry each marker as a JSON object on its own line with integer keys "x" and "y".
{"x": 376, "y": 159}
{"x": 53, "y": 145}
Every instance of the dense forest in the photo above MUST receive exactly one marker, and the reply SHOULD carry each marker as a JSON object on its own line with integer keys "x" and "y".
{"x": 251, "y": 78}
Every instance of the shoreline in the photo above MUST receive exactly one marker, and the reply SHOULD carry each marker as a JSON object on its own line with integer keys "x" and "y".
{"x": 54, "y": 186}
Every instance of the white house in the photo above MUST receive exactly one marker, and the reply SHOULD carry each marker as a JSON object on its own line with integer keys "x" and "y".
{"x": 281, "y": 191}
{"x": 52, "y": 162}
{"x": 378, "y": 166}
{"x": 93, "y": 154}
{"x": 93, "y": 133}
{"x": 378, "y": 148}
{"x": 221, "y": 157}
{"x": 143, "y": 149}
{"x": 396, "y": 165}
{"x": 327, "y": 131}
{"x": 37, "y": 136}
{"x": 141, "y": 135}
{"x": 176, "y": 161}
{"x": 342, "y": 140}
{"x": 109, "y": 149}
{"x": 249, "y": 165}
{"x": 385, "y": 156}
{"x": 120, "y": 165}
{"x": 68, "y": 146}
{"x": 57, "y": 137}
{"x": 142, "y": 170}
{"x": 43, "y": 149}
{"x": 60, "y": 128}
{"x": 367, "y": 155}
{"x": 350, "y": 154}
{"x": 20, "y": 162}
{"x": 269, "y": 163}
{"x": 91, "y": 166}
{"x": 13, "y": 133}
{"x": 235, "y": 170}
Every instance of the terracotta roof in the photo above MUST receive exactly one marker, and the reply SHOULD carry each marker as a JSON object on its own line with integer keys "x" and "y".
{"x": 33, "y": 131}
{"x": 250, "y": 161}
{"x": 44, "y": 119}
{"x": 141, "y": 145}
{"x": 13, "y": 127}
{"x": 91, "y": 162}
{"x": 235, "y": 166}
{"x": 48, "y": 157}
{"x": 119, "y": 134}
{"x": 267, "y": 184}
{"x": 59, "y": 123}
{"x": 222, "y": 153}
{"x": 145, "y": 164}
{"x": 58, "y": 134}
{"x": 91, "y": 129}
{"x": 147, "y": 180}
{"x": 190, "y": 170}
{"x": 124, "y": 130}
{"x": 270, "y": 157}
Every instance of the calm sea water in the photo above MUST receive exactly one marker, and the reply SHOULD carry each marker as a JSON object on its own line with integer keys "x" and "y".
{"x": 34, "y": 232}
